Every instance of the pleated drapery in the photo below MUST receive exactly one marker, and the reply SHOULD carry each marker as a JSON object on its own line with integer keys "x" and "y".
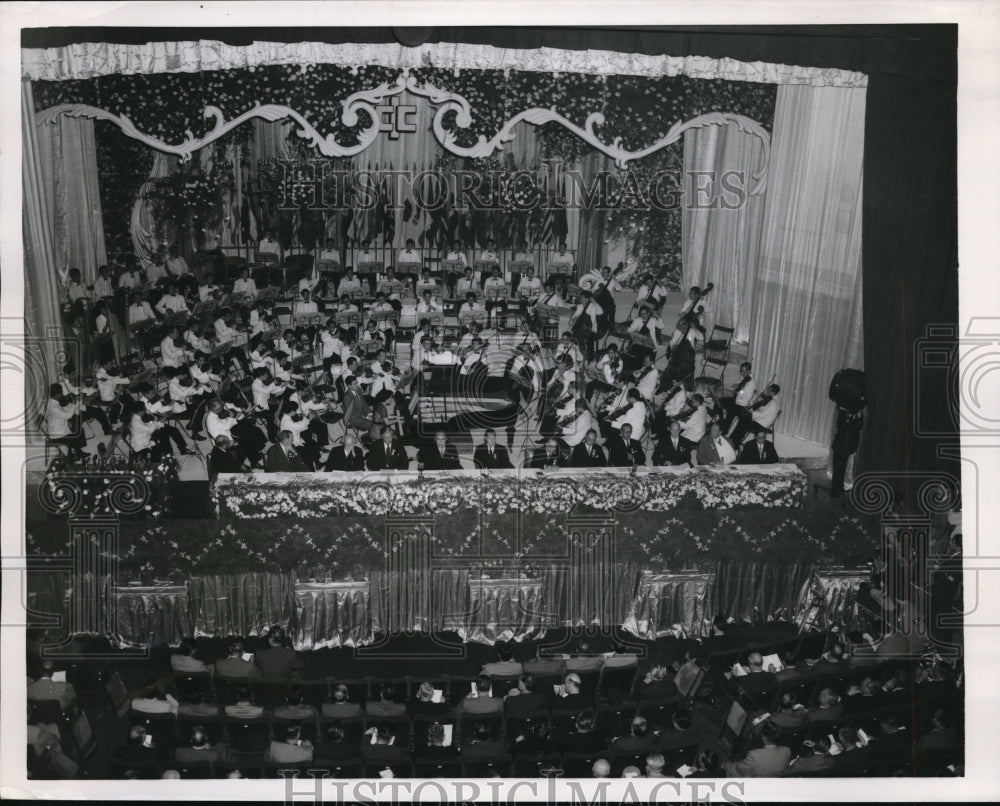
{"x": 720, "y": 228}
{"x": 41, "y": 288}
{"x": 68, "y": 157}
{"x": 672, "y": 604}
{"x": 242, "y": 604}
{"x": 158, "y": 613}
{"x": 332, "y": 614}
{"x": 758, "y": 591}
{"x": 806, "y": 323}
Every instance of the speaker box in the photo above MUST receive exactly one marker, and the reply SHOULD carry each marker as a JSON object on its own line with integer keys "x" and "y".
{"x": 847, "y": 389}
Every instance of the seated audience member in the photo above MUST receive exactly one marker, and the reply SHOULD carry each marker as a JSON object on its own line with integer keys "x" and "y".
{"x": 223, "y": 458}
{"x": 673, "y": 449}
{"x": 440, "y": 455}
{"x": 657, "y": 685}
{"x": 546, "y": 666}
{"x": 184, "y": 661}
{"x": 138, "y": 750}
{"x": 479, "y": 700}
{"x": 584, "y": 659}
{"x": 388, "y": 452}
{"x": 549, "y": 456}
{"x": 764, "y": 762}
{"x": 45, "y": 688}
{"x": 341, "y": 707}
{"x": 680, "y": 734}
{"x": 154, "y": 700}
{"x": 525, "y": 700}
{"x": 294, "y": 749}
{"x": 813, "y": 758}
{"x": 384, "y": 748}
{"x": 585, "y": 739}
{"x": 234, "y": 665}
{"x": 195, "y": 707}
{"x": 941, "y": 735}
{"x": 790, "y": 715}
{"x": 283, "y": 458}
{"x": 434, "y": 749}
{"x": 601, "y": 768}
{"x": 655, "y": 762}
{"x": 276, "y": 661}
{"x": 830, "y": 709}
{"x": 706, "y": 765}
{"x": 568, "y": 697}
{"x": 423, "y": 703}
{"x": 200, "y": 749}
{"x": 504, "y": 665}
{"x": 535, "y": 741}
{"x": 294, "y": 708}
{"x": 482, "y": 747}
{"x": 489, "y": 455}
{"x": 333, "y": 747}
{"x": 386, "y": 705}
{"x": 758, "y": 451}
{"x": 244, "y": 708}
{"x": 639, "y": 739}
{"x": 715, "y": 449}
{"x": 348, "y": 457}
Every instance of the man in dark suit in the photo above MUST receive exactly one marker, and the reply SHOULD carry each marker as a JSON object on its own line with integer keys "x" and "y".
{"x": 623, "y": 451}
{"x": 673, "y": 449}
{"x": 440, "y": 455}
{"x": 527, "y": 701}
{"x": 348, "y": 457}
{"x": 551, "y": 455}
{"x": 387, "y": 453}
{"x": 282, "y": 457}
{"x": 276, "y": 661}
{"x": 489, "y": 455}
{"x": 588, "y": 453}
{"x": 758, "y": 452}
{"x": 222, "y": 459}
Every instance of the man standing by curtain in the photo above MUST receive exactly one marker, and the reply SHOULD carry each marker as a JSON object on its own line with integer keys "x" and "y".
{"x": 845, "y": 443}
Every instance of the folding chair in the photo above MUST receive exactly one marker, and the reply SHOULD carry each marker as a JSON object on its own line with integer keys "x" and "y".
{"x": 716, "y": 356}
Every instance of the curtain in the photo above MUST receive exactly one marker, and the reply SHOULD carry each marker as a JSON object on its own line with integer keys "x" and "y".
{"x": 672, "y": 604}
{"x": 69, "y": 163}
{"x": 332, "y": 614}
{"x": 155, "y": 614}
{"x": 719, "y": 244}
{"x": 242, "y": 604}
{"x": 809, "y": 268}
{"x": 758, "y": 591}
{"x": 143, "y": 228}
{"x": 41, "y": 293}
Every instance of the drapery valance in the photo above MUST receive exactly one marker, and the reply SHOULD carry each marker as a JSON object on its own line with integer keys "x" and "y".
{"x": 89, "y": 59}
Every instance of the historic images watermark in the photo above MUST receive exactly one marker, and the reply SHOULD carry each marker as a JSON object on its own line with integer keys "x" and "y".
{"x": 317, "y": 185}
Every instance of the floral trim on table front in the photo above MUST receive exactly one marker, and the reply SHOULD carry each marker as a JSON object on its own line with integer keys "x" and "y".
{"x": 307, "y": 497}
{"x": 102, "y": 490}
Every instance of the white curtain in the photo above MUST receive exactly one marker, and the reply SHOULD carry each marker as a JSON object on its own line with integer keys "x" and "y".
{"x": 806, "y": 316}
{"x": 720, "y": 233}
{"x": 143, "y": 228}
{"x": 68, "y": 157}
{"x": 41, "y": 282}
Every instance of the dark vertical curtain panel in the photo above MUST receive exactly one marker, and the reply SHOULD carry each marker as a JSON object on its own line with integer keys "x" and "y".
{"x": 758, "y": 591}
{"x": 152, "y": 615}
{"x": 667, "y": 601}
{"x": 332, "y": 615}
{"x": 242, "y": 604}
{"x": 45, "y": 598}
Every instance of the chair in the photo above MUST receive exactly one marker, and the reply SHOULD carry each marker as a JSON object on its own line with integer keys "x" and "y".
{"x": 467, "y": 723}
{"x": 248, "y": 736}
{"x": 522, "y": 725}
{"x": 269, "y": 694}
{"x": 658, "y": 714}
{"x": 563, "y": 723}
{"x": 400, "y": 769}
{"x": 617, "y": 680}
{"x": 504, "y": 683}
{"x": 619, "y": 761}
{"x": 314, "y": 692}
{"x": 192, "y": 685}
{"x": 195, "y": 769}
{"x": 614, "y": 720}
{"x": 580, "y": 765}
{"x": 438, "y": 769}
{"x": 227, "y": 688}
{"x": 716, "y": 356}
{"x": 214, "y": 729}
{"x": 309, "y": 727}
{"x": 47, "y": 711}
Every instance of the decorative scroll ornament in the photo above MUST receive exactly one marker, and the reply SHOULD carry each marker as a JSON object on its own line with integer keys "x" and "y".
{"x": 93, "y": 494}
{"x": 367, "y": 100}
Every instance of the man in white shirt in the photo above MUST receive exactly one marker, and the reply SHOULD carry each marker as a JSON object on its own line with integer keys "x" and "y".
{"x": 172, "y": 302}
{"x": 760, "y": 416}
{"x": 297, "y": 423}
{"x": 264, "y": 389}
{"x": 456, "y": 263}
{"x": 329, "y": 257}
{"x": 225, "y": 330}
{"x": 489, "y": 255}
{"x": 306, "y": 305}
{"x": 409, "y": 261}
{"x": 466, "y": 284}
{"x": 139, "y": 311}
{"x": 268, "y": 249}
{"x": 156, "y": 271}
{"x": 176, "y": 265}
{"x": 651, "y": 291}
{"x": 390, "y": 285}
{"x": 170, "y": 354}
{"x": 367, "y": 255}
{"x": 574, "y": 429}
{"x": 206, "y": 290}
{"x": 529, "y": 289}
{"x": 428, "y": 304}
{"x": 562, "y": 257}
{"x": 569, "y": 347}
{"x": 130, "y": 278}
{"x": 245, "y": 285}
{"x": 647, "y": 324}
{"x": 646, "y": 378}
{"x": 60, "y": 410}
{"x": 102, "y": 285}
{"x": 634, "y": 415}
{"x": 694, "y": 424}
{"x": 743, "y": 395}
{"x": 349, "y": 285}
{"x": 471, "y": 309}
{"x": 495, "y": 291}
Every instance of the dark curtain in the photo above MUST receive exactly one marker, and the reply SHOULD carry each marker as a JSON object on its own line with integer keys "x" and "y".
{"x": 154, "y": 614}
{"x": 242, "y": 604}
{"x": 332, "y": 614}
{"x": 666, "y": 601}
{"x": 758, "y": 591}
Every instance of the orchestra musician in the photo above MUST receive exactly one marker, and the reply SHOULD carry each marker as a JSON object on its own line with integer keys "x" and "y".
{"x": 266, "y": 394}
{"x": 297, "y": 424}
{"x": 409, "y": 259}
{"x": 357, "y": 411}
{"x": 588, "y": 323}
{"x": 268, "y": 249}
{"x": 156, "y": 271}
{"x": 245, "y": 285}
{"x": 208, "y": 289}
{"x": 690, "y": 325}
{"x": 224, "y": 419}
{"x": 647, "y": 377}
{"x": 633, "y": 413}
{"x": 495, "y": 291}
{"x": 457, "y": 255}
{"x": 651, "y": 292}
{"x": 573, "y": 428}
{"x": 649, "y": 325}
{"x": 348, "y": 286}
{"x": 693, "y": 419}
{"x": 743, "y": 395}
{"x": 759, "y": 416}
{"x": 182, "y": 389}
{"x": 172, "y": 350}
{"x": 102, "y": 285}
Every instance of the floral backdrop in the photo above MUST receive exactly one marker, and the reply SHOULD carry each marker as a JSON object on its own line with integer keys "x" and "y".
{"x": 638, "y": 110}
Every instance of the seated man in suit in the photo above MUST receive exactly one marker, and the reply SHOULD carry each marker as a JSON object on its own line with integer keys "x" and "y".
{"x": 234, "y": 665}
{"x": 388, "y": 453}
{"x": 440, "y": 455}
{"x": 333, "y": 748}
{"x": 347, "y": 457}
{"x": 294, "y": 749}
{"x": 489, "y": 455}
{"x": 276, "y": 661}
{"x": 829, "y": 710}
{"x": 482, "y": 747}
{"x": 283, "y": 458}
{"x": 223, "y": 459}
{"x": 569, "y": 697}
{"x": 526, "y": 701}
{"x": 386, "y": 705}
{"x": 715, "y": 449}
{"x": 45, "y": 688}
{"x": 585, "y": 739}
{"x": 479, "y": 701}
{"x": 764, "y": 762}
{"x": 588, "y": 453}
{"x": 758, "y": 452}
{"x": 385, "y": 748}
{"x": 552, "y": 454}
{"x": 673, "y": 449}
{"x": 639, "y": 739}
{"x": 623, "y": 451}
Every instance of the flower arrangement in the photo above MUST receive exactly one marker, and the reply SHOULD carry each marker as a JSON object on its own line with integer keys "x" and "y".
{"x": 190, "y": 202}
{"x": 305, "y": 497}
{"x": 107, "y": 490}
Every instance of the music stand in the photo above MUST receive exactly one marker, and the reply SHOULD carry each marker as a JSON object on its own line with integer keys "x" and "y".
{"x": 409, "y": 268}
{"x": 453, "y": 265}
{"x": 369, "y": 267}
{"x": 348, "y": 318}
{"x": 307, "y": 319}
{"x": 733, "y": 727}
{"x": 521, "y": 266}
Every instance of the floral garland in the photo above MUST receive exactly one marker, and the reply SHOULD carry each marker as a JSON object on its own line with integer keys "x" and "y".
{"x": 142, "y": 491}
{"x": 308, "y": 498}
{"x": 190, "y": 202}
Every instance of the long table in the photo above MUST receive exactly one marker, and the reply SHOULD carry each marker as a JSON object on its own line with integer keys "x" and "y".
{"x": 406, "y": 492}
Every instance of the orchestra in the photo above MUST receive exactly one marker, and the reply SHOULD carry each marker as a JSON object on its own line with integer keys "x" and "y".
{"x": 334, "y": 355}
